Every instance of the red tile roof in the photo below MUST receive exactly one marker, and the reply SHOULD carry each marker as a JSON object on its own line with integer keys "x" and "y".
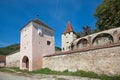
{"x": 69, "y": 28}
{"x": 2, "y": 58}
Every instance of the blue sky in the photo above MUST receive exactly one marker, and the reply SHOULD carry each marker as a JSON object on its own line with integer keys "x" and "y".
{"x": 14, "y": 14}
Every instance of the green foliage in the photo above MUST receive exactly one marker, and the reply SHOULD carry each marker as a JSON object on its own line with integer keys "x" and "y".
{"x": 108, "y": 14}
{"x": 57, "y": 48}
{"x": 9, "y": 49}
{"x": 15, "y": 68}
{"x": 81, "y": 73}
{"x": 87, "y": 30}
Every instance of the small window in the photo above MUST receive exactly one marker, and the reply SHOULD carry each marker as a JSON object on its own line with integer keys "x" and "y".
{"x": 40, "y": 34}
{"x": 63, "y": 49}
{"x": 40, "y": 31}
{"x": 48, "y": 42}
{"x": 67, "y": 42}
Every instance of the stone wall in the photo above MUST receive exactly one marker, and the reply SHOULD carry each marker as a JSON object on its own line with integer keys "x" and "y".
{"x": 13, "y": 60}
{"x": 104, "y": 60}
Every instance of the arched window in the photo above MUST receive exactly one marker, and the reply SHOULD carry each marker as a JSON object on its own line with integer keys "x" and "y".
{"x": 102, "y": 39}
{"x": 63, "y": 49}
{"x": 72, "y": 46}
{"x": 82, "y": 43}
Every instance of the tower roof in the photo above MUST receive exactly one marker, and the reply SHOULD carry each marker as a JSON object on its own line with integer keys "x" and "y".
{"x": 38, "y": 22}
{"x": 69, "y": 28}
{"x": 41, "y": 23}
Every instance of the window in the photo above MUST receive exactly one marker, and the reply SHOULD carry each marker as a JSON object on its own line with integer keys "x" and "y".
{"x": 63, "y": 49}
{"x": 48, "y": 42}
{"x": 40, "y": 31}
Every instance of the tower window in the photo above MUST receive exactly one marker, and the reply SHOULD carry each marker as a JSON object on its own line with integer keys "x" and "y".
{"x": 40, "y": 31}
{"x": 48, "y": 42}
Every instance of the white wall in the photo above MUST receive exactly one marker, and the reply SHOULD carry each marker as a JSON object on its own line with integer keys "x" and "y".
{"x": 13, "y": 60}
{"x": 67, "y": 39}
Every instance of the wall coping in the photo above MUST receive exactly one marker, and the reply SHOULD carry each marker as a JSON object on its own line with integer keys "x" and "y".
{"x": 13, "y": 52}
{"x": 90, "y": 48}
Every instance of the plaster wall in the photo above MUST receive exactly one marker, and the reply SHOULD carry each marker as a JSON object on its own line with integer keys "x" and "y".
{"x": 39, "y": 44}
{"x": 13, "y": 60}
{"x": 67, "y": 39}
{"x": 26, "y": 45}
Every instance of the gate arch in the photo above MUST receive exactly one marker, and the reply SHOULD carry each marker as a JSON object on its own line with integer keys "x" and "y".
{"x": 25, "y": 62}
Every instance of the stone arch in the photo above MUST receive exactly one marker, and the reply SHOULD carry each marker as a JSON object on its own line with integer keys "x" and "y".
{"x": 82, "y": 43}
{"x": 102, "y": 39}
{"x": 118, "y": 37}
{"x": 72, "y": 46}
{"x": 25, "y": 62}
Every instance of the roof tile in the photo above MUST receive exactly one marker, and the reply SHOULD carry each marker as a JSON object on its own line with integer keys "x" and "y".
{"x": 69, "y": 28}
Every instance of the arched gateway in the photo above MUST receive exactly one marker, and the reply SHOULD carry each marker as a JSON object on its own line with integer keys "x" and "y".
{"x": 25, "y": 62}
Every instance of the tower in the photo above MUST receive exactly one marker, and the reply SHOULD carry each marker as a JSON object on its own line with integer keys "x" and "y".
{"x": 67, "y": 37}
{"x": 37, "y": 40}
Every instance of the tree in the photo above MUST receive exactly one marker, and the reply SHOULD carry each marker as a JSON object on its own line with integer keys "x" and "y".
{"x": 108, "y": 14}
{"x": 86, "y": 30}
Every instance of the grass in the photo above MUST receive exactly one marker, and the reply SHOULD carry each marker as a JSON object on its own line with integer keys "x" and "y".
{"x": 78, "y": 73}
{"x": 66, "y": 72}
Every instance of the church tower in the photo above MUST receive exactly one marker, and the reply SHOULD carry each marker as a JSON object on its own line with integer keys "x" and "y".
{"x": 67, "y": 37}
{"x": 37, "y": 40}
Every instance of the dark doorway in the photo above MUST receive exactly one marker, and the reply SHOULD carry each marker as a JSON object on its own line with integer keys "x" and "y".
{"x": 25, "y": 62}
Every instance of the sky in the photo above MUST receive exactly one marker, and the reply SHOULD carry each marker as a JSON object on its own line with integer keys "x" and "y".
{"x": 14, "y": 14}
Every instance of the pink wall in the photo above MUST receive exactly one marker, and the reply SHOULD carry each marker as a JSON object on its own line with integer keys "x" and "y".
{"x": 35, "y": 46}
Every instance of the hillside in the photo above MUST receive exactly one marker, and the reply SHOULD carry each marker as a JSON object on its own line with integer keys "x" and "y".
{"x": 9, "y": 49}
{"x": 15, "y": 47}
